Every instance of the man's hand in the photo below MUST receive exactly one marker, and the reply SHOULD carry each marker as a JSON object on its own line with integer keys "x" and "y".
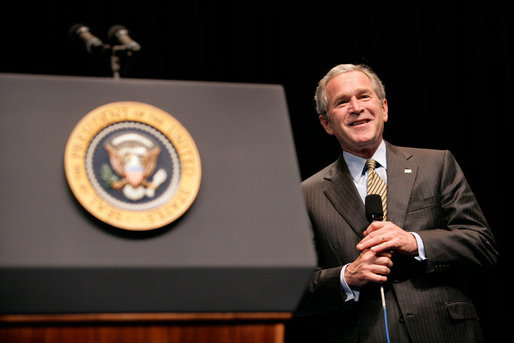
{"x": 368, "y": 267}
{"x": 385, "y": 236}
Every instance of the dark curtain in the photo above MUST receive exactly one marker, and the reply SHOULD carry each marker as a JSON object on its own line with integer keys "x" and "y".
{"x": 447, "y": 68}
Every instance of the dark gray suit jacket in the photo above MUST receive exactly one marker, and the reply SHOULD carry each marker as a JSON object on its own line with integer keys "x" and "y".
{"x": 426, "y": 301}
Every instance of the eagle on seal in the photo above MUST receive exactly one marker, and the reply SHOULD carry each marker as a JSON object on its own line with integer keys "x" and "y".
{"x": 134, "y": 169}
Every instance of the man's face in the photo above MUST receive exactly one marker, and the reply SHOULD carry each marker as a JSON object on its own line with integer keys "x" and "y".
{"x": 356, "y": 116}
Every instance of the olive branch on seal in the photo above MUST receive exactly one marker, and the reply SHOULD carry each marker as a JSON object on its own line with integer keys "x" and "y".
{"x": 108, "y": 176}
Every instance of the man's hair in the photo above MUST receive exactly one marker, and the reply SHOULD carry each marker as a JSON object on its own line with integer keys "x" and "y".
{"x": 321, "y": 96}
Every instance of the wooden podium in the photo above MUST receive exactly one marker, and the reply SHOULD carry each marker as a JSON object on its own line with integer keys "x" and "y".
{"x": 145, "y": 328}
{"x": 231, "y": 269}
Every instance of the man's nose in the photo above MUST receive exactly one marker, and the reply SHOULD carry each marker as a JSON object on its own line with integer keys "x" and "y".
{"x": 355, "y": 105}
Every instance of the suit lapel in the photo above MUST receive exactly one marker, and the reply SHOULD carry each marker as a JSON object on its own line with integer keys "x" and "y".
{"x": 345, "y": 198}
{"x": 342, "y": 193}
{"x": 401, "y": 173}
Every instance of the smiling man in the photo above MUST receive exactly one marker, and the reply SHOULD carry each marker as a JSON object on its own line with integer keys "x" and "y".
{"x": 426, "y": 251}
{"x": 355, "y": 113}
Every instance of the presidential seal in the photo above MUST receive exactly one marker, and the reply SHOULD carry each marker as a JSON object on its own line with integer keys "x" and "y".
{"x": 132, "y": 166}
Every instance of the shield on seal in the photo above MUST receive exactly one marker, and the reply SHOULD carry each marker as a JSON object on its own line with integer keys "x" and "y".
{"x": 134, "y": 171}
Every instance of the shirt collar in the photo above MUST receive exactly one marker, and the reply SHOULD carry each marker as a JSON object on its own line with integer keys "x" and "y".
{"x": 356, "y": 164}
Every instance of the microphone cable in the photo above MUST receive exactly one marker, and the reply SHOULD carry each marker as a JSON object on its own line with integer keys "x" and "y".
{"x": 384, "y": 307}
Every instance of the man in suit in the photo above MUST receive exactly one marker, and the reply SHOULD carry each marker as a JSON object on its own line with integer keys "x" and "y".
{"x": 432, "y": 245}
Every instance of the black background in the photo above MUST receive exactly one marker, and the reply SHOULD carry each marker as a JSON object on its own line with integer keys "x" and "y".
{"x": 447, "y": 68}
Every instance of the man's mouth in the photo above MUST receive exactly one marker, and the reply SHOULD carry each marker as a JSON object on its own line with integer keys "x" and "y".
{"x": 360, "y": 122}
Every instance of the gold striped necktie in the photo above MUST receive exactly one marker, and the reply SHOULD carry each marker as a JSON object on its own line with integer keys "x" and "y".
{"x": 376, "y": 185}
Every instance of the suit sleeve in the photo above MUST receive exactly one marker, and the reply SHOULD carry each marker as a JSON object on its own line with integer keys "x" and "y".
{"x": 324, "y": 293}
{"x": 462, "y": 241}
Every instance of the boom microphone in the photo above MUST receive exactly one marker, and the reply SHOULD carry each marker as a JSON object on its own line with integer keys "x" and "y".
{"x": 120, "y": 33}
{"x": 92, "y": 44}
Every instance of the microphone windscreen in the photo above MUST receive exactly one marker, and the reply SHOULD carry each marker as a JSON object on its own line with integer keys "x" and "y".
{"x": 74, "y": 30}
{"x": 114, "y": 32}
{"x": 373, "y": 206}
{"x": 118, "y": 33}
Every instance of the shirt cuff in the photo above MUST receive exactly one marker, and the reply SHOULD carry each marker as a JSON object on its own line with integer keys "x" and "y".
{"x": 351, "y": 295}
{"x": 421, "y": 248}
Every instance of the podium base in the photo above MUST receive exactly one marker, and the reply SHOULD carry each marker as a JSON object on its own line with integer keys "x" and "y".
{"x": 144, "y": 327}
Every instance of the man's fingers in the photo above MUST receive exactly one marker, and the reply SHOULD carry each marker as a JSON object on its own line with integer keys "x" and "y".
{"x": 373, "y": 226}
{"x": 385, "y": 261}
{"x": 379, "y": 275}
{"x": 372, "y": 241}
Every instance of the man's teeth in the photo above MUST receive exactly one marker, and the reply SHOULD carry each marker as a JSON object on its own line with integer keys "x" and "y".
{"x": 359, "y": 122}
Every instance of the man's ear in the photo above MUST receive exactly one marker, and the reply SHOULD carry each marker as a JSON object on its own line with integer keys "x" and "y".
{"x": 385, "y": 109}
{"x": 327, "y": 125}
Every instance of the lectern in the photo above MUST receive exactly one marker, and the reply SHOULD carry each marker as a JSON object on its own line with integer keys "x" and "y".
{"x": 231, "y": 268}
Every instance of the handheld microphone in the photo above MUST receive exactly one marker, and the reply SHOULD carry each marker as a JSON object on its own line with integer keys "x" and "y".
{"x": 375, "y": 212}
{"x": 92, "y": 44}
{"x": 373, "y": 206}
{"x": 120, "y": 33}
